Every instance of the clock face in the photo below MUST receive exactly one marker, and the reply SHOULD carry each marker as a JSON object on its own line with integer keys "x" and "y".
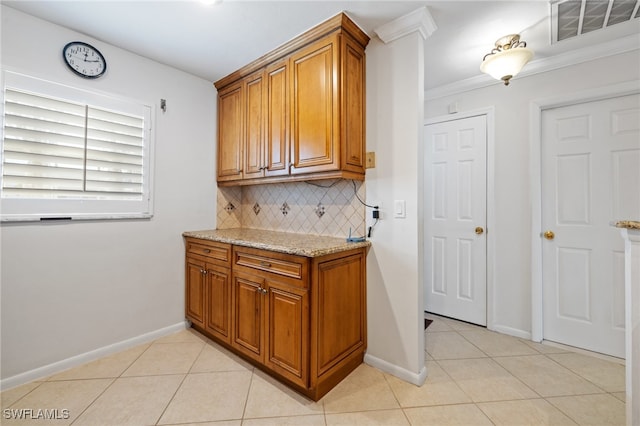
{"x": 84, "y": 59}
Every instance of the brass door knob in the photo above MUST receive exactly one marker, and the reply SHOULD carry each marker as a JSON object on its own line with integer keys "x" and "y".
{"x": 549, "y": 235}
{"x": 479, "y": 230}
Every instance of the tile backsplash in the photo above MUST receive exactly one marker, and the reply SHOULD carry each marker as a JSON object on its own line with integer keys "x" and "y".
{"x": 318, "y": 207}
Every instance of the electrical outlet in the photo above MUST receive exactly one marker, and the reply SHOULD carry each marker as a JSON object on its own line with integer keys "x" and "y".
{"x": 370, "y": 160}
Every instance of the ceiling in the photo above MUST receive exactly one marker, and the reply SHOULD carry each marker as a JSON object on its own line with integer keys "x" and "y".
{"x": 211, "y": 41}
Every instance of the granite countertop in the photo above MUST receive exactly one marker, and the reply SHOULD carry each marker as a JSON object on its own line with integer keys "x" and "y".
{"x": 283, "y": 242}
{"x": 628, "y": 224}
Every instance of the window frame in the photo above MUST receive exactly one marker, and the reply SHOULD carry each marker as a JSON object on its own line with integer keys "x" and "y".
{"x": 44, "y": 209}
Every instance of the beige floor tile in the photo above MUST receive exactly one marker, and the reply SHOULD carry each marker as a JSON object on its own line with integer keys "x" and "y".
{"x": 165, "y": 358}
{"x": 459, "y": 415}
{"x": 270, "y": 398}
{"x": 484, "y": 380}
{"x": 366, "y": 418}
{"x": 527, "y": 412}
{"x": 364, "y": 389}
{"x": 12, "y": 395}
{"x": 214, "y": 358}
{"x": 74, "y": 396}
{"x": 108, "y": 367}
{"x": 188, "y": 335}
{"x": 622, "y": 396}
{"x": 461, "y": 325}
{"x": 546, "y": 377}
{"x": 206, "y": 397}
{"x": 607, "y": 375}
{"x": 496, "y": 344}
{"x": 437, "y": 326}
{"x": 451, "y": 345}
{"x": 596, "y": 410}
{"x": 313, "y": 420}
{"x": 220, "y": 423}
{"x": 438, "y": 389}
{"x": 544, "y": 348}
{"x": 132, "y": 401}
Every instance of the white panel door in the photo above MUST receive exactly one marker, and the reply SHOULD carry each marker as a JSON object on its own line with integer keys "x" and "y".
{"x": 455, "y": 215}
{"x": 590, "y": 178}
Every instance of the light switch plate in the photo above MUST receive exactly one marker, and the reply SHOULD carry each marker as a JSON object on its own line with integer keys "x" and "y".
{"x": 399, "y": 209}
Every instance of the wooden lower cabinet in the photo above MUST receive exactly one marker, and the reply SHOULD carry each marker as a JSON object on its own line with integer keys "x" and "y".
{"x": 303, "y": 320}
{"x": 208, "y": 287}
{"x": 271, "y": 324}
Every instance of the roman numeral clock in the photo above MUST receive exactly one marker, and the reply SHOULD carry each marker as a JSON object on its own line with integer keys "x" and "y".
{"x": 84, "y": 59}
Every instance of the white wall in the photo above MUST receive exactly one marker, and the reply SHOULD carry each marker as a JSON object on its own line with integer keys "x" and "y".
{"x": 395, "y": 87}
{"x": 72, "y": 288}
{"x": 513, "y": 219}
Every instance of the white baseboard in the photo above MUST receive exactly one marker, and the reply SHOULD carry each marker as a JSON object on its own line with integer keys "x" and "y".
{"x": 77, "y": 360}
{"x": 394, "y": 370}
{"x": 512, "y": 331}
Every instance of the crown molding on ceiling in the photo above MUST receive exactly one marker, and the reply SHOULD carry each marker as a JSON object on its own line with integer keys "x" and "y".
{"x": 419, "y": 20}
{"x": 573, "y": 57}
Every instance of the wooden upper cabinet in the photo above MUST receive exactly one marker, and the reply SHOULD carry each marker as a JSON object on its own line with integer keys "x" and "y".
{"x": 230, "y": 132}
{"x": 352, "y": 124}
{"x": 255, "y": 108}
{"x": 277, "y": 132}
{"x": 302, "y": 115}
{"x": 314, "y": 100}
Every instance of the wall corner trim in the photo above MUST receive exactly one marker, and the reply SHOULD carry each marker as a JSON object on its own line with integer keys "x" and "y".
{"x": 417, "y": 379}
{"x": 77, "y": 360}
{"x": 419, "y": 20}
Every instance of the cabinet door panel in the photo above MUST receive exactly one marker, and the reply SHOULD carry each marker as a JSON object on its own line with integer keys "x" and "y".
{"x": 287, "y": 332}
{"x": 218, "y": 318}
{"x": 247, "y": 314}
{"x": 195, "y": 291}
{"x": 277, "y": 144}
{"x": 314, "y": 94}
{"x": 230, "y": 119}
{"x": 341, "y": 319}
{"x": 353, "y": 106}
{"x": 254, "y": 131}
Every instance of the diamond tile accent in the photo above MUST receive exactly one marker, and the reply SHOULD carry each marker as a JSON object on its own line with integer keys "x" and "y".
{"x": 256, "y": 208}
{"x": 285, "y": 208}
{"x": 322, "y": 208}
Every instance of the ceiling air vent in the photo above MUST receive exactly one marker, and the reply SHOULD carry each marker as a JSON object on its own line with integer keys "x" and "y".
{"x": 571, "y": 18}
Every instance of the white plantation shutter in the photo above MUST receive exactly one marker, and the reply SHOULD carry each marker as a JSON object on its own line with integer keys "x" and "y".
{"x": 82, "y": 156}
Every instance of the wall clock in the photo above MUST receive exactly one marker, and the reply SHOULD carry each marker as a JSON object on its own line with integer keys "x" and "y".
{"x": 84, "y": 59}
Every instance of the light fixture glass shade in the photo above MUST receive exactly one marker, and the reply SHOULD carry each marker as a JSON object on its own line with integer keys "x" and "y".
{"x": 507, "y": 63}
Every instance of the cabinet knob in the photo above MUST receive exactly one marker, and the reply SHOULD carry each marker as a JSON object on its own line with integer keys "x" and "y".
{"x": 265, "y": 264}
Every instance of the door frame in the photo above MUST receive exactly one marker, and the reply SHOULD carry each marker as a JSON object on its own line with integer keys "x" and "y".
{"x": 489, "y": 113}
{"x": 536, "y": 108}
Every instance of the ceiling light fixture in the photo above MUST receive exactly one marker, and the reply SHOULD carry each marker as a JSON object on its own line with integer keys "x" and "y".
{"x": 507, "y": 58}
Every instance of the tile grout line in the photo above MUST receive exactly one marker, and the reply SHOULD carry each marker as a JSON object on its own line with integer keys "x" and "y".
{"x": 181, "y": 382}
{"x": 113, "y": 380}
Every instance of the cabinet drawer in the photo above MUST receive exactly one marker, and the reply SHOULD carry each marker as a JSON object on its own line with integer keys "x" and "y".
{"x": 220, "y": 253}
{"x": 276, "y": 263}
